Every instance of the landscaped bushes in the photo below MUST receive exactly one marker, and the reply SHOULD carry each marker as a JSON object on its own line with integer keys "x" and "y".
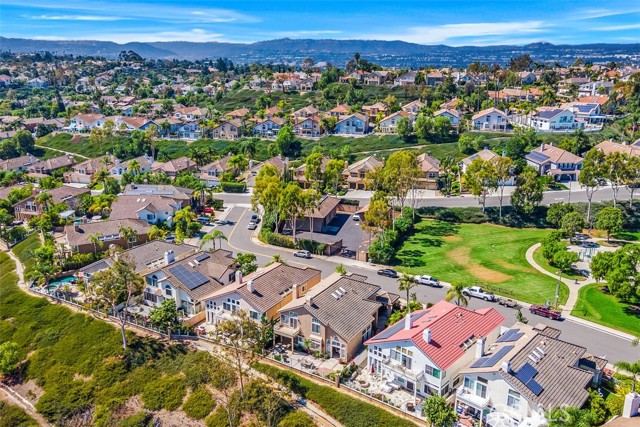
{"x": 311, "y": 246}
{"x": 384, "y": 247}
{"x": 348, "y": 410}
{"x": 77, "y": 261}
{"x": 140, "y": 419}
{"x": 199, "y": 404}
{"x": 233, "y": 187}
{"x": 164, "y": 393}
{"x": 275, "y": 239}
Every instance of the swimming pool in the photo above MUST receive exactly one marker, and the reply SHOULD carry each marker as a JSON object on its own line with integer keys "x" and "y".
{"x": 62, "y": 281}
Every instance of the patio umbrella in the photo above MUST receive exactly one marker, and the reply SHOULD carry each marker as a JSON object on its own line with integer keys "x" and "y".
{"x": 536, "y": 420}
{"x": 499, "y": 419}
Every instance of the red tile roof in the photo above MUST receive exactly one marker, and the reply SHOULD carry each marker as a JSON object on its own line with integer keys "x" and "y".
{"x": 450, "y": 326}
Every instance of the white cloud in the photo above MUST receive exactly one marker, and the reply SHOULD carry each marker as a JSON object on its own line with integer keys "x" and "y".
{"x": 602, "y": 13}
{"x": 451, "y": 33}
{"x": 617, "y": 27}
{"x": 75, "y": 18}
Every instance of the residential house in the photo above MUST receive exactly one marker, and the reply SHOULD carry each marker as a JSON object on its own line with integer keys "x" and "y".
{"x": 189, "y": 113}
{"x": 526, "y": 372}
{"x": 189, "y": 130}
{"x": 83, "y": 172}
{"x": 390, "y": 124}
{"x": 451, "y": 105}
{"x": 376, "y": 78}
{"x": 152, "y": 209}
{"x": 375, "y": 109}
{"x": 262, "y": 293}
{"x": 238, "y": 114}
{"x": 231, "y": 130}
{"x": 611, "y": 146}
{"x": 172, "y": 168}
{"x": 188, "y": 281}
{"x": 429, "y": 172}
{"x": 185, "y": 195}
{"x": 434, "y": 78}
{"x": 490, "y": 119}
{"x": 550, "y": 160}
{"x": 406, "y": 79}
{"x": 135, "y": 123}
{"x": 339, "y": 111}
{"x": 77, "y": 237}
{"x": 46, "y": 167}
{"x": 590, "y": 113}
{"x": 599, "y": 87}
{"x": 268, "y": 127}
{"x": 317, "y": 219}
{"x": 249, "y": 176}
{"x": 299, "y": 173}
{"x": 337, "y": 316}
{"x": 452, "y": 115}
{"x": 355, "y": 174}
{"x": 146, "y": 257}
{"x": 307, "y": 127}
{"x": 413, "y": 108}
{"x": 354, "y": 124}
{"x": 551, "y": 119}
{"x": 425, "y": 351}
{"x": 18, "y": 164}
{"x": 484, "y": 154}
{"x": 526, "y": 77}
{"x": 210, "y": 174}
{"x": 306, "y": 112}
{"x": 86, "y": 122}
{"x": 28, "y": 208}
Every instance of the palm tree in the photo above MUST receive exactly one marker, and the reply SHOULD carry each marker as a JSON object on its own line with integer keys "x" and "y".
{"x": 156, "y": 232}
{"x": 633, "y": 369}
{"x": 249, "y": 148}
{"x": 455, "y": 293}
{"x": 278, "y": 258}
{"x": 215, "y": 234}
{"x": 134, "y": 167}
{"x": 101, "y": 177}
{"x": 406, "y": 283}
{"x": 94, "y": 239}
{"x": 201, "y": 192}
{"x": 44, "y": 199}
{"x": 128, "y": 233}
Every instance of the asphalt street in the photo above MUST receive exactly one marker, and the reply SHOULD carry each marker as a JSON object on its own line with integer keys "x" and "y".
{"x": 597, "y": 342}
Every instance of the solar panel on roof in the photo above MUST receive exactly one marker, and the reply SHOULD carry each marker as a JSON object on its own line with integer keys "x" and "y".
{"x": 202, "y": 257}
{"x": 539, "y": 157}
{"x": 534, "y": 387}
{"x": 526, "y": 373}
{"x": 190, "y": 278}
{"x": 478, "y": 363}
{"x": 507, "y": 335}
{"x": 497, "y": 356}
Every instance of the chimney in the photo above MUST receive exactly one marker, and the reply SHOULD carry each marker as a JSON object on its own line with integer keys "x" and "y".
{"x": 169, "y": 257}
{"x": 426, "y": 335}
{"x": 250, "y": 286}
{"x": 506, "y": 366}
{"x": 309, "y": 299}
{"x": 238, "y": 277}
{"x": 631, "y": 405}
{"x": 408, "y": 322}
{"x": 294, "y": 290}
{"x": 542, "y": 147}
{"x": 479, "y": 348}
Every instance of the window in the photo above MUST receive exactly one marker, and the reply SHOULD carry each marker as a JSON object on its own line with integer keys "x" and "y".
{"x": 168, "y": 291}
{"x": 403, "y": 356}
{"x": 377, "y": 351}
{"x": 154, "y": 281}
{"x": 254, "y": 315}
{"x": 481, "y": 387}
{"x": 133, "y": 239}
{"x": 315, "y": 326}
{"x": 469, "y": 383}
{"x": 231, "y": 304}
{"x": 513, "y": 399}
{"x": 434, "y": 372}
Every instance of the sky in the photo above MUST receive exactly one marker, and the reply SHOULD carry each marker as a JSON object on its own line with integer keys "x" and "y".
{"x": 454, "y": 23}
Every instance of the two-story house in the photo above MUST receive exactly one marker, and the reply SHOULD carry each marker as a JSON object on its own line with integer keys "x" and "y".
{"x": 18, "y": 164}
{"x": 269, "y": 127}
{"x": 307, "y": 127}
{"x": 306, "y": 112}
{"x": 78, "y": 238}
{"x": 527, "y": 371}
{"x": 413, "y": 108}
{"x": 86, "y": 122}
{"x": 152, "y": 209}
{"x": 550, "y": 119}
{"x": 424, "y": 352}
{"x": 83, "y": 172}
{"x": 189, "y": 130}
{"x": 46, "y": 167}
{"x": 355, "y": 174}
{"x": 353, "y": 124}
{"x": 429, "y": 172}
{"x": 189, "y": 280}
{"x": 173, "y": 167}
{"x": 390, "y": 123}
{"x": 262, "y": 293}
{"x": 210, "y": 174}
{"x": 550, "y": 160}
{"x": 374, "y": 109}
{"x": 490, "y": 119}
{"x": 28, "y": 208}
{"x": 337, "y": 316}
{"x": 227, "y": 129}
{"x": 452, "y": 115}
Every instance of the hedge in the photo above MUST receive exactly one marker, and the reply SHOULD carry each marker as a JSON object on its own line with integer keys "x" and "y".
{"x": 347, "y": 410}
{"x": 233, "y": 187}
{"x": 276, "y": 239}
{"x": 14, "y": 416}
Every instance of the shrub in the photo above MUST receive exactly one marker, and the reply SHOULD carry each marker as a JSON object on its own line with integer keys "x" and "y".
{"x": 199, "y": 404}
{"x": 14, "y": 416}
{"x": 77, "y": 261}
{"x": 348, "y": 410}
{"x": 297, "y": 419}
{"x": 276, "y": 239}
{"x": 233, "y": 187}
{"x": 311, "y": 246}
{"x": 166, "y": 392}
{"x": 220, "y": 418}
{"x": 140, "y": 419}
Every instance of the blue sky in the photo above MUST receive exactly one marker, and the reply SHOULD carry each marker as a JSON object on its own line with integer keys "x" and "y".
{"x": 455, "y": 23}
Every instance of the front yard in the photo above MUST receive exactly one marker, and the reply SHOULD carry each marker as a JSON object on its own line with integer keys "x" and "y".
{"x": 479, "y": 253}
{"x": 599, "y": 307}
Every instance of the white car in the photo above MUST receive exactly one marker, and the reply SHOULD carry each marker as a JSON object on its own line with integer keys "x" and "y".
{"x": 252, "y": 226}
{"x": 356, "y": 217}
{"x": 478, "y": 292}
{"x": 427, "y": 280}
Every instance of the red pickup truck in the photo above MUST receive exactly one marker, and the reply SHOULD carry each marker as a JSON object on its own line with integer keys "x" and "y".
{"x": 545, "y": 311}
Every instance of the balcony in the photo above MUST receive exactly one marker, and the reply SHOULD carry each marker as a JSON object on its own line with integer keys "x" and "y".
{"x": 286, "y": 330}
{"x": 466, "y": 396}
{"x": 397, "y": 367}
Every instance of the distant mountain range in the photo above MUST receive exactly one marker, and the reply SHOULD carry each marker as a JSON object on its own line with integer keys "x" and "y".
{"x": 387, "y": 53}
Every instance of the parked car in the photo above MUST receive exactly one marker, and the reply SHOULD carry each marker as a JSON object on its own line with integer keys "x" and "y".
{"x": 427, "y": 280}
{"x": 302, "y": 254}
{"x": 170, "y": 238}
{"x": 208, "y": 210}
{"x": 508, "y": 302}
{"x": 204, "y": 220}
{"x": 545, "y": 311}
{"x": 388, "y": 272}
{"x": 252, "y": 226}
{"x": 356, "y": 216}
{"x": 478, "y": 292}
{"x": 255, "y": 218}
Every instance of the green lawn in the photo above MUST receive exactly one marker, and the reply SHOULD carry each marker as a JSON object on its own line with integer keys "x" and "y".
{"x": 24, "y": 251}
{"x": 542, "y": 262}
{"x": 596, "y": 306}
{"x": 480, "y": 253}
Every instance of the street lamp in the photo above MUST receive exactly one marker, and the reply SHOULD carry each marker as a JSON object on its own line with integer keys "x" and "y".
{"x": 559, "y": 273}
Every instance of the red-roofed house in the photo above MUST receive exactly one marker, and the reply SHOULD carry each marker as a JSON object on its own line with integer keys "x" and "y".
{"x": 424, "y": 352}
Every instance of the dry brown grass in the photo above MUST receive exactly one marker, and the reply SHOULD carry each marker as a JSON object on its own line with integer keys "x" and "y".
{"x": 462, "y": 256}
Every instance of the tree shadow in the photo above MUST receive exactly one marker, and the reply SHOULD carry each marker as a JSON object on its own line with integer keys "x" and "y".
{"x": 632, "y": 310}
{"x": 439, "y": 228}
{"x": 410, "y": 258}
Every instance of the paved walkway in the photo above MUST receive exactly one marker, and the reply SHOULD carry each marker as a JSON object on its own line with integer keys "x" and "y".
{"x": 573, "y": 297}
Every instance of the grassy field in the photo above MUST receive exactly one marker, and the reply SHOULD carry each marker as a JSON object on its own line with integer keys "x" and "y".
{"x": 599, "y": 307}
{"x": 24, "y": 251}
{"x": 81, "y": 145}
{"x": 542, "y": 262}
{"x": 479, "y": 253}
